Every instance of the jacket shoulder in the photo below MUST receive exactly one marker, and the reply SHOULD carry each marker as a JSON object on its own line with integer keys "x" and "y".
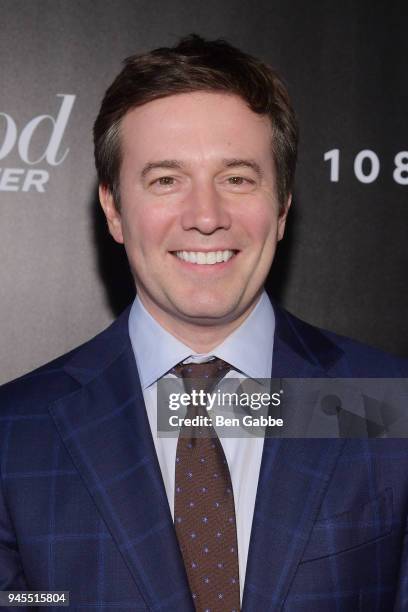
{"x": 353, "y": 358}
{"x": 366, "y": 360}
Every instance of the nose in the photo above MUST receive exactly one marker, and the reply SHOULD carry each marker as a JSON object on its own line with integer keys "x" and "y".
{"x": 205, "y": 210}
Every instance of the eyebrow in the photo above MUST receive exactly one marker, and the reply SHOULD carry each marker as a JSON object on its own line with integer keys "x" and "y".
{"x": 243, "y": 163}
{"x": 163, "y": 163}
{"x": 175, "y": 164}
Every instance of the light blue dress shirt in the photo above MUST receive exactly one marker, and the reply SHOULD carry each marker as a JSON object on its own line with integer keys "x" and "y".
{"x": 249, "y": 350}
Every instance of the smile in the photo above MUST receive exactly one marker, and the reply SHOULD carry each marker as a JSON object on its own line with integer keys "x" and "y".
{"x": 208, "y": 258}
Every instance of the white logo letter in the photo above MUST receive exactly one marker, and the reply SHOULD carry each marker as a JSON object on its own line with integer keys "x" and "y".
{"x": 59, "y": 125}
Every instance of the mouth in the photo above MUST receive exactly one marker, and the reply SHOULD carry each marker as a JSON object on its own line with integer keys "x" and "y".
{"x": 205, "y": 258}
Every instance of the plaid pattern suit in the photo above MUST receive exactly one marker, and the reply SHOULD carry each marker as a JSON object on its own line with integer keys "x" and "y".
{"x": 83, "y": 506}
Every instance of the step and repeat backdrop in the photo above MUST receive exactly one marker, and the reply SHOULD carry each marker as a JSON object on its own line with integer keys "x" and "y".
{"x": 344, "y": 262}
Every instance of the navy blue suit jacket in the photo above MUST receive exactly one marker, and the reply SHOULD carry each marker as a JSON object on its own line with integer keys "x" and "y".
{"x": 83, "y": 506}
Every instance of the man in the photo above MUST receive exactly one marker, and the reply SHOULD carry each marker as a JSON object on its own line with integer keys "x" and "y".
{"x": 195, "y": 149}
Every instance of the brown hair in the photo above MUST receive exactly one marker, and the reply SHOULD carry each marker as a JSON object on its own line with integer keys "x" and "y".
{"x": 195, "y": 64}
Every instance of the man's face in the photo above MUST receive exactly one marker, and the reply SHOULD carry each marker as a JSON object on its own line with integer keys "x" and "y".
{"x": 199, "y": 211}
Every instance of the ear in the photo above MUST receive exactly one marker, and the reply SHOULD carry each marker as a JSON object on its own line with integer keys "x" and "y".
{"x": 112, "y": 214}
{"x": 282, "y": 217}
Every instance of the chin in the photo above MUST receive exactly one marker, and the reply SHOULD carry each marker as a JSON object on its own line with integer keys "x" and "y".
{"x": 208, "y": 311}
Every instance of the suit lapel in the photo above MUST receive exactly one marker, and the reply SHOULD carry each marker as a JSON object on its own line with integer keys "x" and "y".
{"x": 294, "y": 474}
{"x": 293, "y": 479}
{"x": 105, "y": 428}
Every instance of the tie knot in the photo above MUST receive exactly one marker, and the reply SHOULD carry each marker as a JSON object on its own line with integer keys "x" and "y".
{"x": 216, "y": 368}
{"x": 205, "y": 375}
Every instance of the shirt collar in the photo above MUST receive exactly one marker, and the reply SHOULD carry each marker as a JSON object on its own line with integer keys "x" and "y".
{"x": 249, "y": 348}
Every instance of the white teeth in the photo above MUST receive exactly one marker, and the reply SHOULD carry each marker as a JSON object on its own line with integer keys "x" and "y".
{"x": 198, "y": 257}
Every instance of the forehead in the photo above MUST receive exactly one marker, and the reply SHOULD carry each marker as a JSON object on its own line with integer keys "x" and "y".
{"x": 195, "y": 125}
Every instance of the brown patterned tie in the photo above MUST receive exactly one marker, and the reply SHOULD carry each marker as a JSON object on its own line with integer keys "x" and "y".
{"x": 204, "y": 511}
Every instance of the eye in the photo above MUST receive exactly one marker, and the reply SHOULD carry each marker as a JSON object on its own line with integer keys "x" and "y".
{"x": 164, "y": 184}
{"x": 240, "y": 184}
{"x": 239, "y": 180}
{"x": 164, "y": 180}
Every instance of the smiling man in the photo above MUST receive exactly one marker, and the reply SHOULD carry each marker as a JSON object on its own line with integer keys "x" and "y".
{"x": 199, "y": 211}
{"x": 195, "y": 148}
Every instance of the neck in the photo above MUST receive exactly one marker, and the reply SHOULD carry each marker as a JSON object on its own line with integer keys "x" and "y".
{"x": 201, "y": 336}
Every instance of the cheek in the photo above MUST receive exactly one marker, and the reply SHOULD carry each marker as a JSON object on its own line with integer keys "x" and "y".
{"x": 261, "y": 224}
{"x": 147, "y": 229}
